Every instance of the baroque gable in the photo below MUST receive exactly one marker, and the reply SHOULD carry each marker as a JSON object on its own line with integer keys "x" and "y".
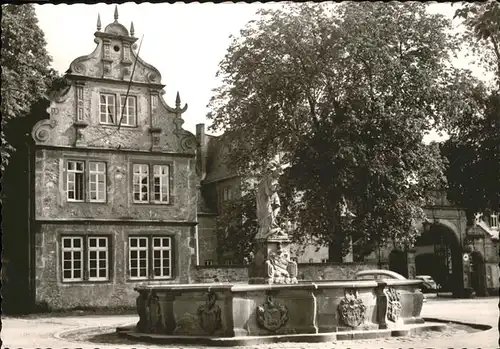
{"x": 114, "y": 80}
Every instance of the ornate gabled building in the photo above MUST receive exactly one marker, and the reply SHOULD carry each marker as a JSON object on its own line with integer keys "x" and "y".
{"x": 115, "y": 184}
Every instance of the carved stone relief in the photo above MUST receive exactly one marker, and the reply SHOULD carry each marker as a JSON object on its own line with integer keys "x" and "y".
{"x": 150, "y": 319}
{"x": 79, "y": 68}
{"x": 280, "y": 269}
{"x": 351, "y": 309}
{"x": 207, "y": 319}
{"x": 209, "y": 314}
{"x": 272, "y": 315}
{"x": 41, "y": 131}
{"x": 393, "y": 304}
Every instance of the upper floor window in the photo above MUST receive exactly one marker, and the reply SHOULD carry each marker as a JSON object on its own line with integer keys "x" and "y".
{"x": 111, "y": 114}
{"x": 151, "y": 186}
{"x": 107, "y": 109}
{"x": 128, "y": 108}
{"x": 97, "y": 181}
{"x": 226, "y": 194}
{"x": 141, "y": 183}
{"x": 77, "y": 180}
{"x": 494, "y": 220}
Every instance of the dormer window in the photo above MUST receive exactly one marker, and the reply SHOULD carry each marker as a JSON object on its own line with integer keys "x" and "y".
{"x": 494, "y": 220}
{"x": 110, "y": 113}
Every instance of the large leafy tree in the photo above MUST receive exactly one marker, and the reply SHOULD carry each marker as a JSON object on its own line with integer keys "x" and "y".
{"x": 473, "y": 149}
{"x": 26, "y": 71}
{"x": 346, "y": 93}
{"x": 26, "y": 74}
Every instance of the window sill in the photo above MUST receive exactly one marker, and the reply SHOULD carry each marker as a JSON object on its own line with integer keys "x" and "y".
{"x": 152, "y": 203}
{"x": 86, "y": 282}
{"x": 116, "y": 126}
{"x": 87, "y": 202}
{"x": 171, "y": 278}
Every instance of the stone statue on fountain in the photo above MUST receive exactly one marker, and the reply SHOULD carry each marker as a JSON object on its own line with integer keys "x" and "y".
{"x": 272, "y": 263}
{"x": 268, "y": 206}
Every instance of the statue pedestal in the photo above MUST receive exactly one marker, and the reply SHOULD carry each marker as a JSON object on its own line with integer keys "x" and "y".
{"x": 272, "y": 264}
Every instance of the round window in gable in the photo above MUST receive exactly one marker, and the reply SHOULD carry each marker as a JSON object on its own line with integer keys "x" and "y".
{"x": 116, "y": 48}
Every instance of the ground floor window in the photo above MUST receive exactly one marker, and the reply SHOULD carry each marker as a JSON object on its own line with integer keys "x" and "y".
{"x": 85, "y": 258}
{"x": 150, "y": 257}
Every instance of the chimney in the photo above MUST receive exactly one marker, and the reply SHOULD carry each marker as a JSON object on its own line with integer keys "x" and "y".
{"x": 202, "y": 150}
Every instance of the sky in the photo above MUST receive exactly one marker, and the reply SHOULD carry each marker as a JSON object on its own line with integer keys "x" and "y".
{"x": 185, "y": 42}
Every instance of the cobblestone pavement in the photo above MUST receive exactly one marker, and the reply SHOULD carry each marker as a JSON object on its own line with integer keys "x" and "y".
{"x": 42, "y": 332}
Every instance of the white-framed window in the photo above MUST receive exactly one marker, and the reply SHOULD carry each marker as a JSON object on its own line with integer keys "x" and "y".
{"x": 107, "y": 109}
{"x": 494, "y": 220}
{"x": 129, "y": 109}
{"x": 162, "y": 257}
{"x": 154, "y": 251}
{"x": 75, "y": 180}
{"x": 226, "y": 194}
{"x": 138, "y": 257}
{"x": 151, "y": 183}
{"x": 72, "y": 259}
{"x": 209, "y": 262}
{"x": 85, "y": 181}
{"x": 141, "y": 183}
{"x": 324, "y": 260}
{"x": 161, "y": 183}
{"x": 85, "y": 258}
{"x": 97, "y": 181}
{"x": 97, "y": 258}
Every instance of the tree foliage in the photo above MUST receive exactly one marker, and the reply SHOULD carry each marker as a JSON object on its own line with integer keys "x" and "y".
{"x": 473, "y": 149}
{"x": 346, "y": 93}
{"x": 26, "y": 71}
{"x": 235, "y": 228}
{"x": 482, "y": 32}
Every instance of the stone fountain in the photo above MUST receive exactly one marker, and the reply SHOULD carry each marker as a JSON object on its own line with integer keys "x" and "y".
{"x": 274, "y": 306}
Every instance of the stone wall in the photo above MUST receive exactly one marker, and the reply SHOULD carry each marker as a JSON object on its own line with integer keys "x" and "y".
{"x": 307, "y": 271}
{"x": 118, "y": 291}
{"x": 207, "y": 240}
{"x": 50, "y": 187}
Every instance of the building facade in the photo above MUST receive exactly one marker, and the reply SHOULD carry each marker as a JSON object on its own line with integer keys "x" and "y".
{"x": 115, "y": 184}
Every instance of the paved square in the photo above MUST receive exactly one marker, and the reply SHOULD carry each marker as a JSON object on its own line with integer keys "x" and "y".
{"x": 42, "y": 332}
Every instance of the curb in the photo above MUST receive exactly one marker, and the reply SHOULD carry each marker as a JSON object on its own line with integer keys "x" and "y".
{"x": 129, "y": 333}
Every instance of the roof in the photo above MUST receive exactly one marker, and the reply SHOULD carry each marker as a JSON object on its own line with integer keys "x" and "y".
{"x": 217, "y": 168}
{"x": 493, "y": 233}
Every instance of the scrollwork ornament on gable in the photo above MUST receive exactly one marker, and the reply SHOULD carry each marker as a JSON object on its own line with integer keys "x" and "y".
{"x": 41, "y": 131}
{"x": 188, "y": 143}
{"x": 79, "y": 68}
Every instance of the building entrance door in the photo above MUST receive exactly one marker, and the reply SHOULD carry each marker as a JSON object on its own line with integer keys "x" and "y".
{"x": 478, "y": 274}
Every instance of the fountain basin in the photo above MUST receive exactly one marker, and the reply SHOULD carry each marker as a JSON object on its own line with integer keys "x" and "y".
{"x": 225, "y": 314}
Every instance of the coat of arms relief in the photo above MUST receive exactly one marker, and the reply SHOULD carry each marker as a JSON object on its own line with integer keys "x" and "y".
{"x": 351, "y": 309}
{"x": 272, "y": 315}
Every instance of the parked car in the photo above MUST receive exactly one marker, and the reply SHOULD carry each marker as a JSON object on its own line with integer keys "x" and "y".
{"x": 383, "y": 274}
{"x": 428, "y": 285}
{"x": 378, "y": 274}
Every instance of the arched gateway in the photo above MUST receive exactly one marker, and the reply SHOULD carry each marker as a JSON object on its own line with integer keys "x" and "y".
{"x": 438, "y": 253}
